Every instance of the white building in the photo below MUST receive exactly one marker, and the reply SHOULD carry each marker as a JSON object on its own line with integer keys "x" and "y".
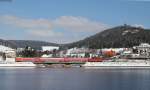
{"x": 50, "y": 48}
{"x": 9, "y": 52}
{"x": 79, "y": 52}
{"x": 143, "y": 49}
{"x": 5, "y": 49}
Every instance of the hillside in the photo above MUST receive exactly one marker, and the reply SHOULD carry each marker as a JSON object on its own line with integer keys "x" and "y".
{"x": 32, "y": 43}
{"x": 121, "y": 36}
{"x": 7, "y": 43}
{"x": 23, "y": 43}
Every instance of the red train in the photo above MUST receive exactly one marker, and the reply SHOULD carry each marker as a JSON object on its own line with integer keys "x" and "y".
{"x": 57, "y": 60}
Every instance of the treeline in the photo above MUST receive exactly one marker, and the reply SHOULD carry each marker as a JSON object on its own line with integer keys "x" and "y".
{"x": 32, "y": 43}
{"x": 122, "y": 36}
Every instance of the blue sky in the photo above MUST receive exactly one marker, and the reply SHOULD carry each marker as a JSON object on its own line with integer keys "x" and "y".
{"x": 64, "y": 21}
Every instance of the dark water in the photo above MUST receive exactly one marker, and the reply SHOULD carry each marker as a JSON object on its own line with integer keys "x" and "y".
{"x": 74, "y": 79}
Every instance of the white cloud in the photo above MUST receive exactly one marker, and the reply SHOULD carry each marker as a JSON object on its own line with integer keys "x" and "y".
{"x": 37, "y": 27}
{"x": 67, "y": 22}
{"x": 45, "y": 28}
{"x": 79, "y": 24}
{"x": 45, "y": 33}
{"x": 26, "y": 23}
{"x": 138, "y": 25}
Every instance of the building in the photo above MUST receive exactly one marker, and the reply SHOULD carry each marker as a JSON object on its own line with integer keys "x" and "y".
{"x": 50, "y": 48}
{"x": 82, "y": 52}
{"x": 115, "y": 50}
{"x": 7, "y": 52}
{"x": 4, "y": 48}
{"x": 76, "y": 52}
{"x": 143, "y": 49}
